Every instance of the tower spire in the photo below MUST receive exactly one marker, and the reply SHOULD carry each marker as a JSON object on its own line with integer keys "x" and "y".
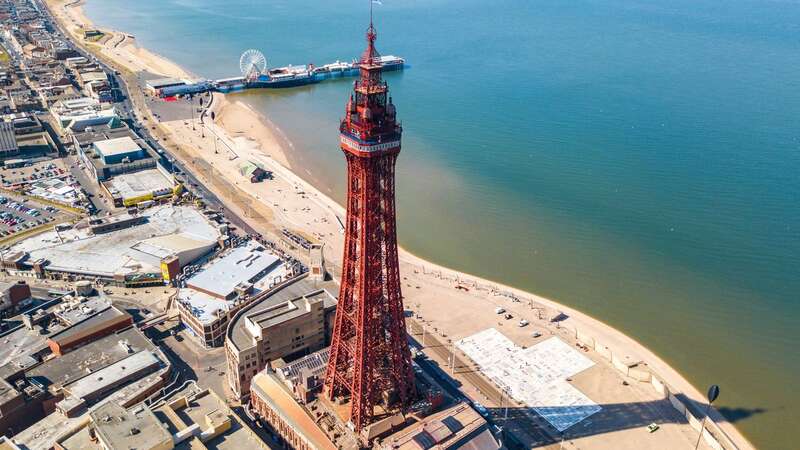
{"x": 370, "y": 54}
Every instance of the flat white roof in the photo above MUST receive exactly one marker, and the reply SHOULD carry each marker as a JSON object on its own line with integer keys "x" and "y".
{"x": 205, "y": 307}
{"x": 94, "y": 76}
{"x": 117, "y": 146}
{"x": 129, "y": 185}
{"x": 108, "y": 376}
{"x": 163, "y": 246}
{"x": 77, "y": 103}
{"x": 241, "y": 264}
{"x": 112, "y": 253}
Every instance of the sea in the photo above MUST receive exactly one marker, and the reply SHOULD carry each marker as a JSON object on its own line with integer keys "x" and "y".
{"x": 638, "y": 160}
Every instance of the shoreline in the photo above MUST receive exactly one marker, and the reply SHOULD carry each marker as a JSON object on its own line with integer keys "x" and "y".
{"x": 238, "y": 124}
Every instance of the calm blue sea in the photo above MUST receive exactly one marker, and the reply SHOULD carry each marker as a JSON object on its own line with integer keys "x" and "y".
{"x": 636, "y": 159}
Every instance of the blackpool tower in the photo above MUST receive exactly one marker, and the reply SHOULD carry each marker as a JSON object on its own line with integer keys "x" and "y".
{"x": 370, "y": 362}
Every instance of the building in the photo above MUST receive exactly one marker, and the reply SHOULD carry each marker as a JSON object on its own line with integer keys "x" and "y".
{"x": 8, "y": 140}
{"x": 291, "y": 322}
{"x": 34, "y": 383}
{"x": 115, "y": 428}
{"x": 21, "y": 402}
{"x": 112, "y": 150}
{"x": 86, "y": 321}
{"x": 98, "y": 369}
{"x": 77, "y": 114}
{"x": 233, "y": 273}
{"x": 131, "y": 189}
{"x": 120, "y": 250}
{"x": 370, "y": 322}
{"x": 12, "y": 296}
{"x": 304, "y": 377}
{"x": 83, "y": 143}
{"x": 287, "y": 397}
{"x": 118, "y": 150}
{"x": 457, "y": 427}
{"x": 254, "y": 172}
{"x": 154, "y": 86}
{"x": 25, "y": 123}
{"x": 191, "y": 419}
{"x": 223, "y": 286}
{"x": 275, "y": 404}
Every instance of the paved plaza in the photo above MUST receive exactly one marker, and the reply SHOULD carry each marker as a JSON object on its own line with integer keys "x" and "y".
{"x": 536, "y": 376}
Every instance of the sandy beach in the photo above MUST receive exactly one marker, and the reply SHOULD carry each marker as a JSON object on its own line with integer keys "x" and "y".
{"x": 239, "y": 136}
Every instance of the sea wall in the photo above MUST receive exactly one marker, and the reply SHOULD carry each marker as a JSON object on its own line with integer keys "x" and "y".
{"x": 713, "y": 435}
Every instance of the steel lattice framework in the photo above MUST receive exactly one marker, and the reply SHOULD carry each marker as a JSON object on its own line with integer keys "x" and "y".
{"x": 370, "y": 360}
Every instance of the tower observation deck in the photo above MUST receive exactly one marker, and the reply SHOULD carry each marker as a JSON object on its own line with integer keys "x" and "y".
{"x": 370, "y": 363}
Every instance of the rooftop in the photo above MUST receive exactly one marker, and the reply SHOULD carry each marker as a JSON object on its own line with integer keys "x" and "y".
{"x": 107, "y": 377}
{"x": 241, "y": 338}
{"x": 285, "y": 311}
{"x": 90, "y": 358}
{"x": 143, "y": 182}
{"x": 270, "y": 390}
{"x": 43, "y": 434}
{"x": 458, "y": 426}
{"x": 170, "y": 244}
{"x": 203, "y": 408}
{"x": 206, "y": 307}
{"x": 242, "y": 264}
{"x": 8, "y": 140}
{"x": 163, "y": 82}
{"x": 78, "y": 251}
{"x": 90, "y": 324}
{"x": 121, "y": 428}
{"x": 103, "y": 132}
{"x": 117, "y": 146}
{"x": 22, "y": 341}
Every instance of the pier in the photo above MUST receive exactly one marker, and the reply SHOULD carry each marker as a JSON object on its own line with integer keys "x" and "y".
{"x": 256, "y": 75}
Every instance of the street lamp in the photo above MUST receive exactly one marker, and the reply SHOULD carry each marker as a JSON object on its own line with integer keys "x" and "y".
{"x": 452, "y": 357}
{"x": 713, "y": 393}
{"x": 191, "y": 109}
{"x": 202, "y": 123}
{"x": 213, "y": 117}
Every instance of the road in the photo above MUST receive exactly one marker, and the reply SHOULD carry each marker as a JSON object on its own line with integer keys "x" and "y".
{"x": 524, "y": 424}
{"x": 127, "y": 109}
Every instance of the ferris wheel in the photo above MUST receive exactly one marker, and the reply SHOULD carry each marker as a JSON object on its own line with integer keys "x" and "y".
{"x": 252, "y": 63}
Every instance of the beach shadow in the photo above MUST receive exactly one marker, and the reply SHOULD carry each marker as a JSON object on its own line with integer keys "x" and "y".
{"x": 732, "y": 414}
{"x": 525, "y": 427}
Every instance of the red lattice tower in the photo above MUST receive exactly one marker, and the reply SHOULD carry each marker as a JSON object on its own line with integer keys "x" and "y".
{"x": 370, "y": 360}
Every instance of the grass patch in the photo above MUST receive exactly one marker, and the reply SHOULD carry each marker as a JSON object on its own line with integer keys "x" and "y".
{"x": 4, "y": 56}
{"x": 94, "y": 37}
